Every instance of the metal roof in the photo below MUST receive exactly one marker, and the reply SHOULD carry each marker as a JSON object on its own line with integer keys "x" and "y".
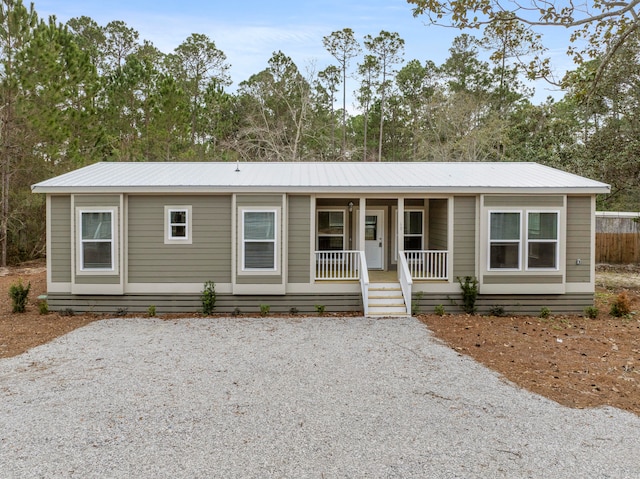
{"x": 319, "y": 177}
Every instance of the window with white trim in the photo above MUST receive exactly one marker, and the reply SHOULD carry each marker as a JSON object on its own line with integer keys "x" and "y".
{"x": 542, "y": 240}
{"x": 97, "y": 248}
{"x": 331, "y": 230}
{"x": 505, "y": 240}
{"x": 259, "y": 240}
{"x": 413, "y": 230}
{"x": 177, "y": 224}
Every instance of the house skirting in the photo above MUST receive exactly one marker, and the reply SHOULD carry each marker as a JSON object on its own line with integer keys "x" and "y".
{"x": 512, "y": 304}
{"x": 192, "y": 303}
{"x": 571, "y": 303}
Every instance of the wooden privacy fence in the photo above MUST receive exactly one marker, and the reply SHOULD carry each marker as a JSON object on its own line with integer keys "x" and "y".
{"x": 617, "y": 237}
{"x": 615, "y": 248}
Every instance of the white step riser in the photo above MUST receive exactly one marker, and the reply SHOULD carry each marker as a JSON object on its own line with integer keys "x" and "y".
{"x": 386, "y": 302}
{"x": 385, "y": 294}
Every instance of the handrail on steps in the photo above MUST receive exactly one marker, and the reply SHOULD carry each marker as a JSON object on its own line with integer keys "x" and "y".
{"x": 404, "y": 276}
{"x": 364, "y": 283}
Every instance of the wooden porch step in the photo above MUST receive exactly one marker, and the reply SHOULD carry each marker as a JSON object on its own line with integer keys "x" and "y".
{"x": 385, "y": 299}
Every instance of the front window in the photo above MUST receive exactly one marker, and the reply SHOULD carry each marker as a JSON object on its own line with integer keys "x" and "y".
{"x": 259, "y": 240}
{"x": 331, "y": 230}
{"x": 504, "y": 240}
{"x": 177, "y": 224}
{"x": 413, "y": 236}
{"x": 542, "y": 240}
{"x": 96, "y": 241}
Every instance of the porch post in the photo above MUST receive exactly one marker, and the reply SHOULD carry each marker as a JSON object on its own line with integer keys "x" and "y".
{"x": 400, "y": 228}
{"x": 362, "y": 213}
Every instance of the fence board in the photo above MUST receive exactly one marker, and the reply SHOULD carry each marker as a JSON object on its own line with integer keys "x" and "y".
{"x": 617, "y": 248}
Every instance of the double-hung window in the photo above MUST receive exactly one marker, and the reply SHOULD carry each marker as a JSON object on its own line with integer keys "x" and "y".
{"x": 177, "y": 224}
{"x": 505, "y": 240}
{"x": 542, "y": 240}
{"x": 536, "y": 241}
{"x": 413, "y": 231}
{"x": 331, "y": 230}
{"x": 97, "y": 249}
{"x": 259, "y": 240}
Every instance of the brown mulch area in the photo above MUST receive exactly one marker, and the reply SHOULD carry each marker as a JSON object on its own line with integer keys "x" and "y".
{"x": 573, "y": 360}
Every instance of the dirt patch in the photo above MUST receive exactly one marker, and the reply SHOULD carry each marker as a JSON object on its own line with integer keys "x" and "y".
{"x": 573, "y": 360}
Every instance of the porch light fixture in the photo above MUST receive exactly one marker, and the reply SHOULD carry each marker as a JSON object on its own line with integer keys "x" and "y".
{"x": 350, "y": 205}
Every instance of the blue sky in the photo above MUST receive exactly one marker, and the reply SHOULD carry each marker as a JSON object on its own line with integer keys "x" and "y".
{"x": 248, "y": 32}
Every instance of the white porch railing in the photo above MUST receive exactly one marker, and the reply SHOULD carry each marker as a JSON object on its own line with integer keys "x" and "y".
{"x": 404, "y": 276}
{"x": 338, "y": 265}
{"x": 428, "y": 265}
{"x": 364, "y": 283}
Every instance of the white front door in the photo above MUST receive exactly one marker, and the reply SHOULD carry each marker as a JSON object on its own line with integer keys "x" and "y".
{"x": 374, "y": 239}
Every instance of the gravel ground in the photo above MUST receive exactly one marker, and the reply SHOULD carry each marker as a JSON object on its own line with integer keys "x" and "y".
{"x": 308, "y": 397}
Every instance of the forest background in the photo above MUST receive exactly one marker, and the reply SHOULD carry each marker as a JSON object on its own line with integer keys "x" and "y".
{"x": 77, "y": 93}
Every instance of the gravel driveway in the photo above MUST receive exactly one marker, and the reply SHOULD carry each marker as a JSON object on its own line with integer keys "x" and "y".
{"x": 294, "y": 398}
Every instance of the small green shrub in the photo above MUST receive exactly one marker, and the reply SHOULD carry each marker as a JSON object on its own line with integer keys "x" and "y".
{"x": 293, "y": 310}
{"x": 544, "y": 313}
{"x": 208, "y": 298}
{"x": 264, "y": 309}
{"x": 67, "y": 312}
{"x": 591, "y": 312}
{"x": 151, "y": 311}
{"x": 19, "y": 293}
{"x": 121, "y": 312}
{"x": 415, "y": 303}
{"x": 439, "y": 310}
{"x": 319, "y": 308}
{"x": 497, "y": 311}
{"x": 621, "y": 306}
{"x": 236, "y": 312}
{"x": 43, "y": 306}
{"x": 469, "y": 293}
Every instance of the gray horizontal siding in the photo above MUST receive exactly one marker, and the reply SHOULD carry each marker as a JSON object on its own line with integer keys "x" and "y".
{"x": 96, "y": 200}
{"x": 438, "y": 224}
{"x": 60, "y": 240}
{"x": 464, "y": 236}
{"x": 192, "y": 303}
{"x": 524, "y": 201}
{"x": 299, "y": 249}
{"x": 522, "y": 279}
{"x": 512, "y": 304}
{"x": 208, "y": 258}
{"x": 259, "y": 201}
{"x": 579, "y": 236}
{"x": 258, "y": 279}
{"x": 97, "y": 279}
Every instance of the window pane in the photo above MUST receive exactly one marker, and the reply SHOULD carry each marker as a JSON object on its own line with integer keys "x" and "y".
{"x": 542, "y": 255}
{"x": 259, "y": 255}
{"x": 331, "y": 222}
{"x": 96, "y": 255}
{"x": 259, "y": 225}
{"x": 505, "y": 226}
{"x": 370, "y": 227}
{"x": 178, "y": 231}
{"x": 179, "y": 217}
{"x": 413, "y": 222}
{"x": 330, "y": 243}
{"x": 412, "y": 243}
{"x": 96, "y": 225}
{"x": 543, "y": 226}
{"x": 504, "y": 255}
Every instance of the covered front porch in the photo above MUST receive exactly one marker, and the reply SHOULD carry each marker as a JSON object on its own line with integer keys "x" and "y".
{"x": 390, "y": 241}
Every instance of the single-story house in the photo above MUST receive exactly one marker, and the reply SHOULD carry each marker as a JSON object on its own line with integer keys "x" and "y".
{"x": 382, "y": 238}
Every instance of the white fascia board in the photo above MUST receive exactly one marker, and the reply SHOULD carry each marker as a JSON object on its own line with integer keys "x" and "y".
{"x": 344, "y": 190}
